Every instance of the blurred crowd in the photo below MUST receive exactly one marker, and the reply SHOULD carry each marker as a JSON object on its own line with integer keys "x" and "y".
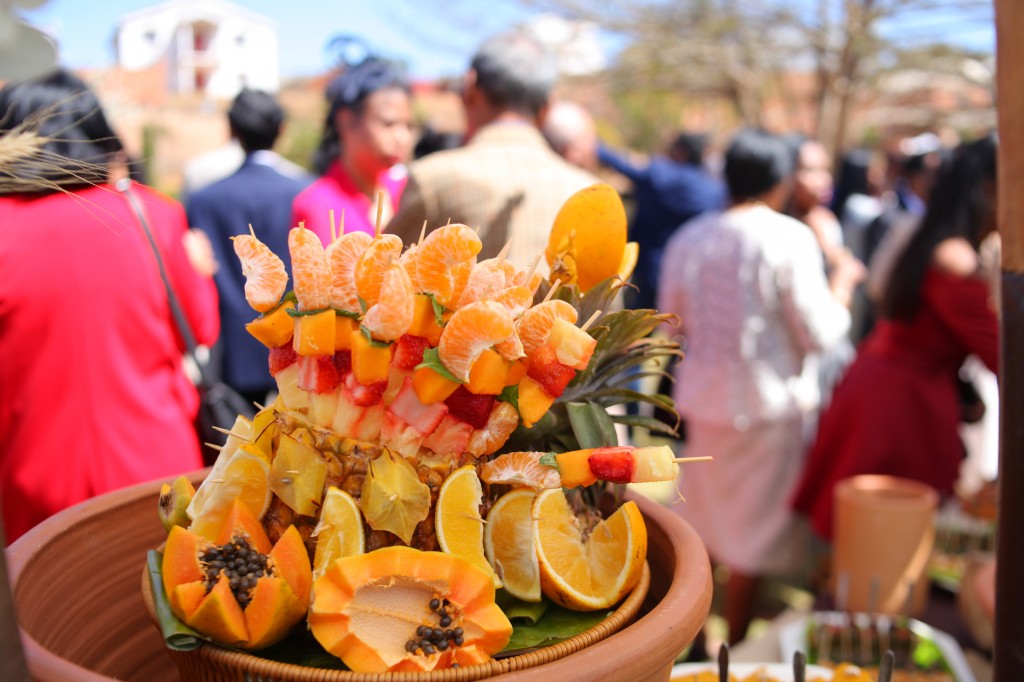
{"x": 827, "y": 317}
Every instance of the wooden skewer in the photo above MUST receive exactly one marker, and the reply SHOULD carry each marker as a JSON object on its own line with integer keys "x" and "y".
{"x": 551, "y": 292}
{"x": 681, "y": 460}
{"x": 230, "y": 433}
{"x": 380, "y": 212}
{"x": 533, "y": 268}
{"x": 423, "y": 233}
{"x": 593, "y": 318}
{"x": 252, "y": 231}
{"x": 504, "y": 252}
{"x": 214, "y": 446}
{"x": 334, "y": 233}
{"x": 258, "y": 406}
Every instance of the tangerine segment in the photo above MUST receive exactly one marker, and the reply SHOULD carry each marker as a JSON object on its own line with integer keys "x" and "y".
{"x": 392, "y": 314}
{"x": 516, "y": 298}
{"x": 486, "y": 279}
{"x": 502, "y": 421}
{"x": 521, "y": 469}
{"x": 265, "y": 276}
{"x": 309, "y": 269}
{"x": 339, "y": 533}
{"x": 342, "y": 255}
{"x": 457, "y": 520}
{"x": 372, "y": 265}
{"x": 536, "y": 323}
{"x": 460, "y": 278}
{"x": 469, "y": 332}
{"x": 433, "y": 259}
{"x": 509, "y": 545}
{"x": 589, "y": 574}
{"x": 590, "y": 229}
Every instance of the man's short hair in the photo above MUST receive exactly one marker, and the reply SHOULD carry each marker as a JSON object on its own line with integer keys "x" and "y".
{"x": 755, "y": 162}
{"x": 255, "y": 118}
{"x": 692, "y": 146}
{"x": 515, "y": 72}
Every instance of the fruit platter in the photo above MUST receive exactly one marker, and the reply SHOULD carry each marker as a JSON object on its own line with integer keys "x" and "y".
{"x": 441, "y": 458}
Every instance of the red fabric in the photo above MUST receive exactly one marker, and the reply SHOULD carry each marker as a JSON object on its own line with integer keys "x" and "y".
{"x": 92, "y": 394}
{"x": 896, "y": 411}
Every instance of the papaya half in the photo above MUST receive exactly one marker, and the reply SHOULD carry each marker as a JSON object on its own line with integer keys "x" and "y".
{"x": 403, "y": 609}
{"x": 238, "y": 590}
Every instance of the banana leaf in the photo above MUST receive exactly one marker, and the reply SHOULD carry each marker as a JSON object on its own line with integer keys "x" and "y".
{"x": 177, "y": 635}
{"x": 556, "y": 625}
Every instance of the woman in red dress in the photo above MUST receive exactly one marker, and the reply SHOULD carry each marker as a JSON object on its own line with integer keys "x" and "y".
{"x": 367, "y": 136}
{"x": 92, "y": 392}
{"x": 896, "y": 410}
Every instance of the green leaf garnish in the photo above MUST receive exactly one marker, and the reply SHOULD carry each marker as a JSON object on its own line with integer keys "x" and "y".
{"x": 362, "y": 304}
{"x": 373, "y": 342}
{"x": 510, "y": 394}
{"x": 346, "y": 313}
{"x": 432, "y": 360}
{"x": 439, "y": 310}
{"x": 549, "y": 459}
{"x": 292, "y": 312}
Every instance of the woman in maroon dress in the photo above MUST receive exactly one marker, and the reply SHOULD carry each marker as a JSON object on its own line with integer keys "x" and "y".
{"x": 92, "y": 392}
{"x": 896, "y": 410}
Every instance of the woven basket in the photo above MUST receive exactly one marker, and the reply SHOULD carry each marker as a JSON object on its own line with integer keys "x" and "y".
{"x": 212, "y": 663}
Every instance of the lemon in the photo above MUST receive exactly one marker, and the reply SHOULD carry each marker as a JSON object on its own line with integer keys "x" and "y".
{"x": 588, "y": 236}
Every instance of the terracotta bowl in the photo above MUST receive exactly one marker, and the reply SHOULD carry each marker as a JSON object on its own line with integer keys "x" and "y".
{"x": 75, "y": 581}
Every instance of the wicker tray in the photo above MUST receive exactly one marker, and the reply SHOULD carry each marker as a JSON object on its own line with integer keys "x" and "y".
{"x": 212, "y": 663}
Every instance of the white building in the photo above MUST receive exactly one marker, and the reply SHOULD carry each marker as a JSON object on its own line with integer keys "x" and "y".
{"x": 211, "y": 47}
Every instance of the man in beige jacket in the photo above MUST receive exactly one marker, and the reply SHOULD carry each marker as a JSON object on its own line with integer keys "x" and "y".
{"x": 506, "y": 181}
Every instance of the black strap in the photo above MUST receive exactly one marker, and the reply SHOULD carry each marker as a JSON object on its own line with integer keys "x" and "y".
{"x": 124, "y": 186}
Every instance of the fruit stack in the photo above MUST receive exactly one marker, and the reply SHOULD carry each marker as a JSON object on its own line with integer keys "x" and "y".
{"x": 402, "y": 375}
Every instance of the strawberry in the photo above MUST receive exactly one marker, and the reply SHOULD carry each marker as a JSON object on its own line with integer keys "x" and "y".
{"x": 612, "y": 464}
{"x": 546, "y": 370}
{"x": 469, "y": 407}
{"x": 318, "y": 374}
{"x": 281, "y": 358}
{"x": 343, "y": 361}
{"x": 398, "y": 436}
{"x": 409, "y": 351}
{"x": 365, "y": 395}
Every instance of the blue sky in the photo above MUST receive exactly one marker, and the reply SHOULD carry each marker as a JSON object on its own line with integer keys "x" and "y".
{"x": 435, "y": 37}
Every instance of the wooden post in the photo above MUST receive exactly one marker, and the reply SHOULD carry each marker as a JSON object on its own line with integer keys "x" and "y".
{"x": 1008, "y": 665}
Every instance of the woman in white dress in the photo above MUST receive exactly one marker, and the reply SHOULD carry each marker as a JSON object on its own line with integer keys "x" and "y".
{"x": 750, "y": 290}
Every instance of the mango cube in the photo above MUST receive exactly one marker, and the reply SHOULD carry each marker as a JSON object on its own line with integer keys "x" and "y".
{"x": 534, "y": 401}
{"x": 487, "y": 375}
{"x": 370, "y": 362}
{"x": 343, "y": 328}
{"x": 423, "y": 321}
{"x": 432, "y": 387}
{"x": 574, "y": 468}
{"x": 275, "y": 328}
{"x": 314, "y": 334}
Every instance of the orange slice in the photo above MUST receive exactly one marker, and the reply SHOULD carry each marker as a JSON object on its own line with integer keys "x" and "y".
{"x": 245, "y": 477}
{"x": 471, "y": 331}
{"x": 311, "y": 276}
{"x": 501, "y": 422}
{"x": 339, "y": 533}
{"x": 373, "y": 263}
{"x": 592, "y": 573}
{"x": 520, "y": 469}
{"x": 265, "y": 276}
{"x": 457, "y": 522}
{"x": 509, "y": 546}
{"x": 536, "y": 323}
{"x": 341, "y": 255}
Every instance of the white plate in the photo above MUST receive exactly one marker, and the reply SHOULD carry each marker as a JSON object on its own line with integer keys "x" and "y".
{"x": 777, "y": 671}
{"x": 793, "y": 638}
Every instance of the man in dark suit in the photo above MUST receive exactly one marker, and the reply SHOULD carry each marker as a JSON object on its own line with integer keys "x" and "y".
{"x": 257, "y": 194}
